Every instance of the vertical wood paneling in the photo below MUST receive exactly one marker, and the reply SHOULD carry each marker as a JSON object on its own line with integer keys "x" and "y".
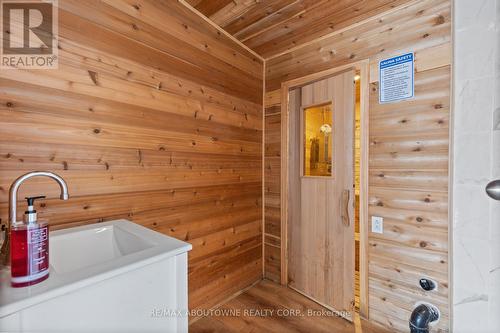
{"x": 408, "y": 153}
{"x": 154, "y": 116}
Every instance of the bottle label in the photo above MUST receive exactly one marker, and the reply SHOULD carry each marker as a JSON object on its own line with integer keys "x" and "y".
{"x": 38, "y": 248}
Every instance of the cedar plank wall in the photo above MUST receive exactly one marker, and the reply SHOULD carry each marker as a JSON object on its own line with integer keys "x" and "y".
{"x": 408, "y": 158}
{"x": 154, "y": 116}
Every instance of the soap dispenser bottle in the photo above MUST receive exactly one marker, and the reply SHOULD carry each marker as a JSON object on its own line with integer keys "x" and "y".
{"x": 29, "y": 248}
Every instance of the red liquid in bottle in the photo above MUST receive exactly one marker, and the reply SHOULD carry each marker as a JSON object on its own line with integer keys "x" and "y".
{"x": 29, "y": 254}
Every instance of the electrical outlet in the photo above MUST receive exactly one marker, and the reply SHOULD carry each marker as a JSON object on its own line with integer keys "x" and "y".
{"x": 378, "y": 224}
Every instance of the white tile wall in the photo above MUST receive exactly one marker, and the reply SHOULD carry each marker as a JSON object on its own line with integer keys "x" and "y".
{"x": 476, "y": 161}
{"x": 494, "y": 285}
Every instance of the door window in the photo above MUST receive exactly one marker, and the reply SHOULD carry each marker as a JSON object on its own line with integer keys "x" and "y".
{"x": 318, "y": 140}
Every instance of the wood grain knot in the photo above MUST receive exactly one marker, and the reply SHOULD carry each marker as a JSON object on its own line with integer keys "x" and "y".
{"x": 94, "y": 77}
{"x": 440, "y": 20}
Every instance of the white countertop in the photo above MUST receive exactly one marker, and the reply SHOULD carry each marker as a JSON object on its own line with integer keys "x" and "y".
{"x": 162, "y": 247}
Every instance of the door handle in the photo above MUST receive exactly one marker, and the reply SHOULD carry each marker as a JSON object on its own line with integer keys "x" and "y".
{"x": 345, "y": 207}
{"x": 493, "y": 189}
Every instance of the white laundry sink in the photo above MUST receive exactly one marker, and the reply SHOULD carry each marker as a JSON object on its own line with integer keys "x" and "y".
{"x": 78, "y": 248}
{"x": 106, "y": 277}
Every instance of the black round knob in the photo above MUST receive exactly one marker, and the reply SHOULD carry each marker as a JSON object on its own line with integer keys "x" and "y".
{"x": 427, "y": 284}
{"x": 493, "y": 189}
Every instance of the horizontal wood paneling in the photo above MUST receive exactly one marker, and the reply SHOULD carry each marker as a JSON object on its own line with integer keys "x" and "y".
{"x": 321, "y": 19}
{"x": 272, "y": 261}
{"x": 155, "y": 116}
{"x": 276, "y": 26}
{"x": 415, "y": 27}
{"x": 408, "y": 151}
{"x": 272, "y": 185}
{"x": 409, "y": 189}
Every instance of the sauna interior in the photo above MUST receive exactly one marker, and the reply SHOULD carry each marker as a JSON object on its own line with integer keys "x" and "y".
{"x": 250, "y": 166}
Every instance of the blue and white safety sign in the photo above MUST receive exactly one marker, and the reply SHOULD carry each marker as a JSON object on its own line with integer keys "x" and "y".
{"x": 396, "y": 77}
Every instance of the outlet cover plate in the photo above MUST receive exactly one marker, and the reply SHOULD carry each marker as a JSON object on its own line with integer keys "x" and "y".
{"x": 377, "y": 224}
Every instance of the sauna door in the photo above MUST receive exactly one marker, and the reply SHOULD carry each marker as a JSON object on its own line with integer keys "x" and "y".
{"x": 321, "y": 250}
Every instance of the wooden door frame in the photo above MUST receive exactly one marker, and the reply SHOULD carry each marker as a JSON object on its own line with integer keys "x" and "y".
{"x": 364, "y": 68}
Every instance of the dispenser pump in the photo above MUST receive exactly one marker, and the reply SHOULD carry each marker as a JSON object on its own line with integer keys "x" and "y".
{"x": 30, "y": 214}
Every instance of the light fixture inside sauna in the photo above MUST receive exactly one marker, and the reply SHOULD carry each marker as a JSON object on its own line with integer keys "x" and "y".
{"x": 325, "y": 129}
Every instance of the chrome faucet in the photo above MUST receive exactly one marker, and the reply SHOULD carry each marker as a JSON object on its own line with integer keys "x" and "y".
{"x": 5, "y": 250}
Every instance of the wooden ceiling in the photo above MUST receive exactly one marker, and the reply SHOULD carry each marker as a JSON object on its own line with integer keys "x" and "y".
{"x": 270, "y": 27}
